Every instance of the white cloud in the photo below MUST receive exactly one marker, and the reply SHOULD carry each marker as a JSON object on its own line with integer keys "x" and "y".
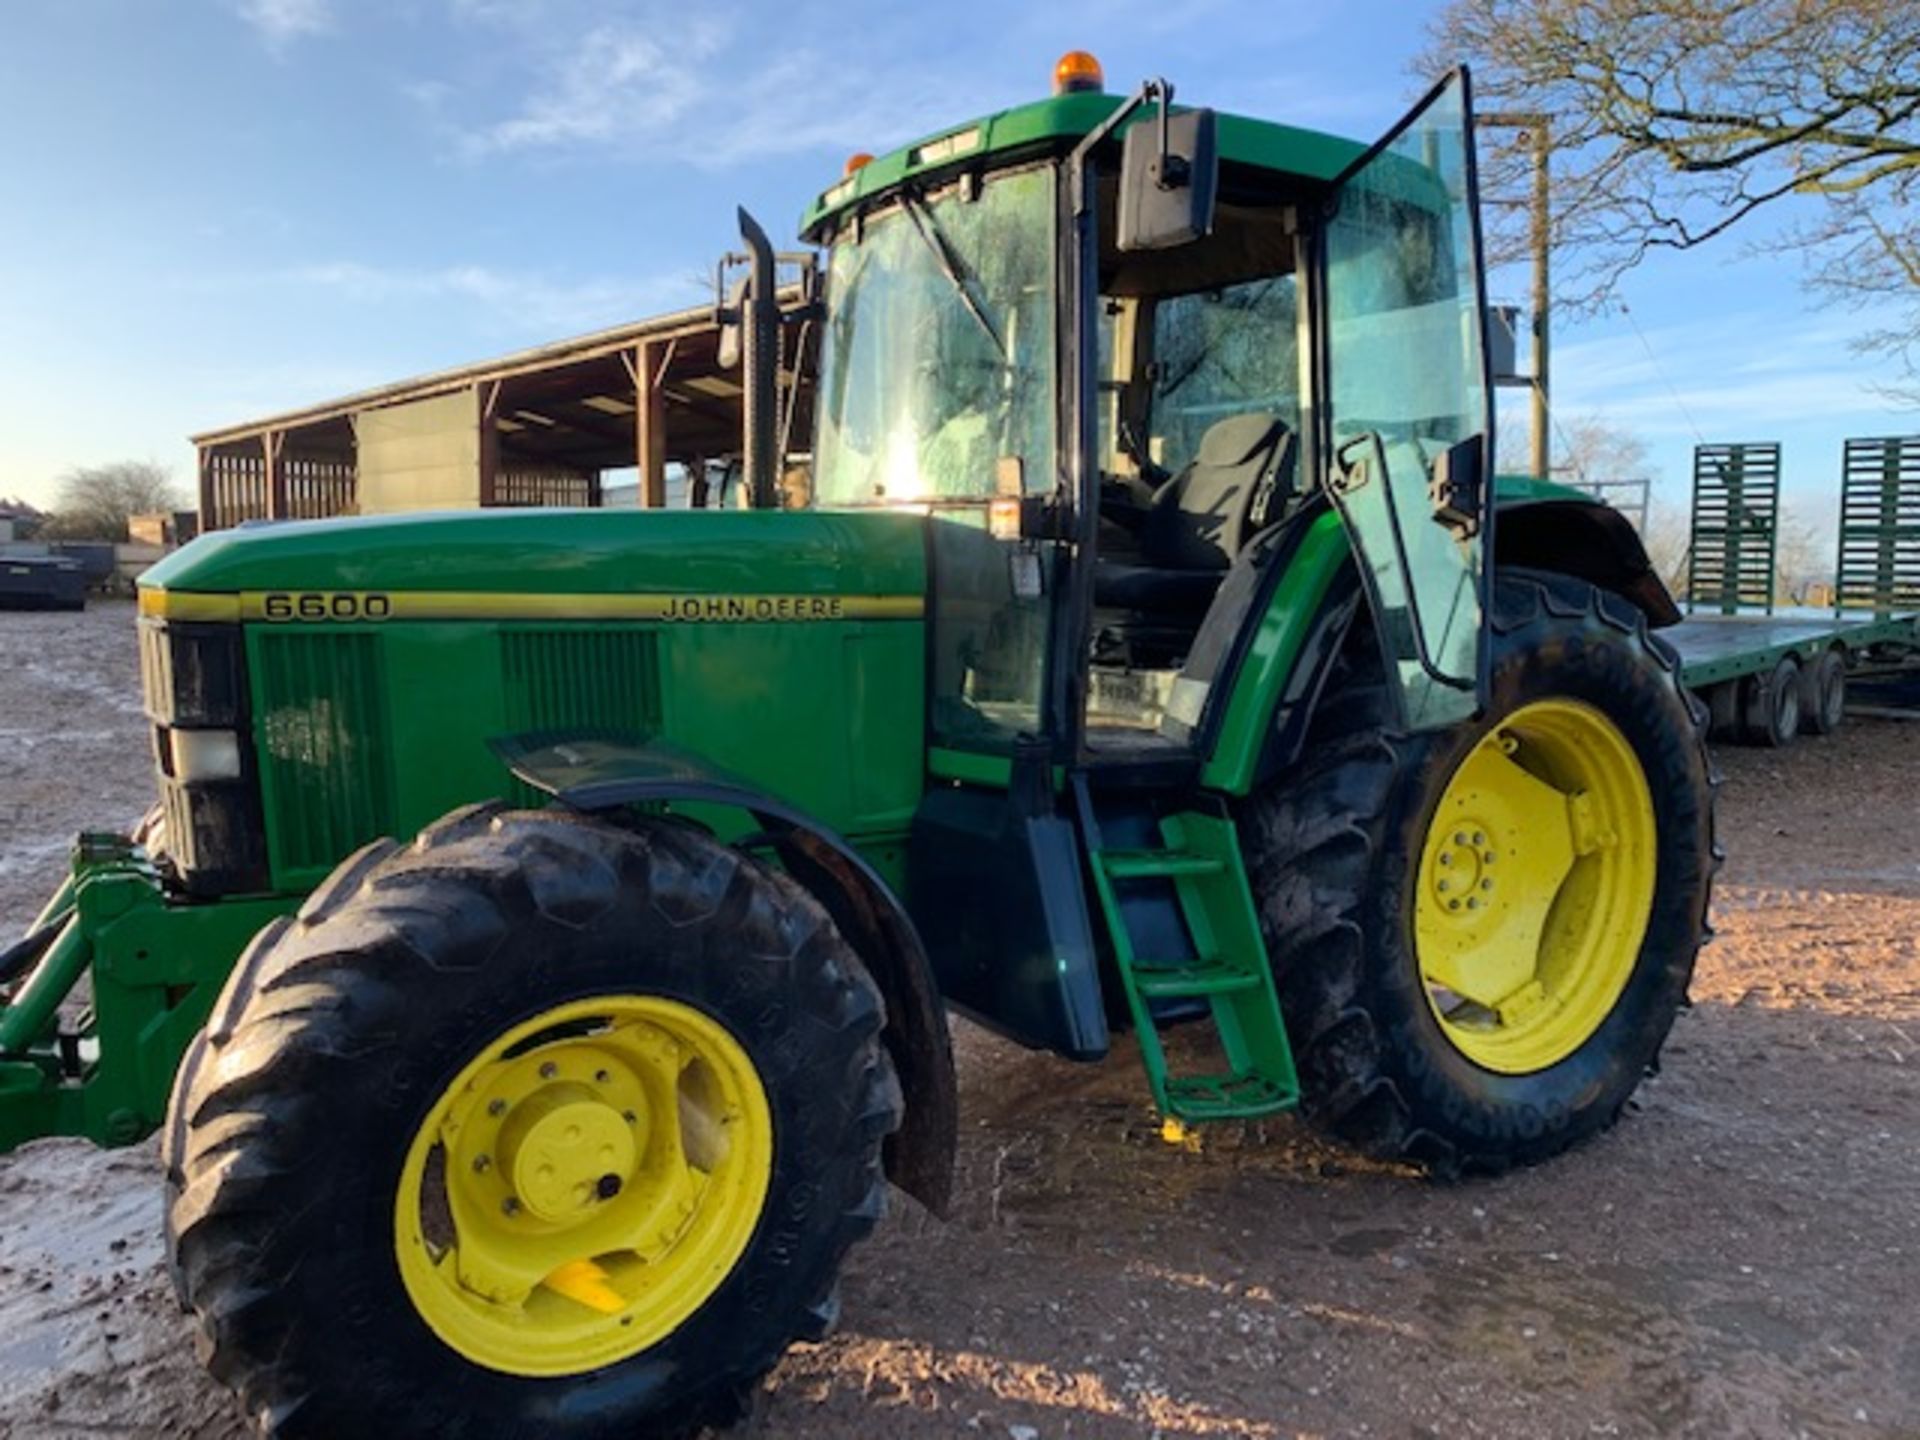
{"x": 695, "y": 89}
{"x": 1742, "y": 372}
{"x": 616, "y": 82}
{"x": 282, "y": 22}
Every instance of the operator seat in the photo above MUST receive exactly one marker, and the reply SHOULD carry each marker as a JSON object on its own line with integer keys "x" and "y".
{"x": 1238, "y": 484}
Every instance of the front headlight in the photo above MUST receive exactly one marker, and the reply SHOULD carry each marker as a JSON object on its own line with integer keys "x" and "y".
{"x": 195, "y": 682}
{"x": 198, "y": 757}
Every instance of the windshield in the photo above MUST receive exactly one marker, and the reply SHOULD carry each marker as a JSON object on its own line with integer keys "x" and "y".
{"x": 938, "y": 366}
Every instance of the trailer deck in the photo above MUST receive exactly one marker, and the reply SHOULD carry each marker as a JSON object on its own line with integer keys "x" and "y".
{"x": 1718, "y": 648}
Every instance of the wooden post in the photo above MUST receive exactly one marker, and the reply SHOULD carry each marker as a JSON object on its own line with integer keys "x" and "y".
{"x": 650, "y": 422}
{"x": 273, "y": 446}
{"x": 487, "y": 396}
{"x": 209, "y": 516}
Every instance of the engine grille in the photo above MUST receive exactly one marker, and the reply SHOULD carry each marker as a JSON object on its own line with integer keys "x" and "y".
{"x": 568, "y": 677}
{"x": 326, "y": 757}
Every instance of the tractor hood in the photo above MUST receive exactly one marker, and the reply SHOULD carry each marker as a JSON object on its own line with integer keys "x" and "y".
{"x": 443, "y": 562}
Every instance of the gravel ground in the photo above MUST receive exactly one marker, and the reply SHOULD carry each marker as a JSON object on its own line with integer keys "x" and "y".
{"x": 1740, "y": 1256}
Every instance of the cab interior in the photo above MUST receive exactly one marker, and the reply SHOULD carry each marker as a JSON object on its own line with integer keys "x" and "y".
{"x": 1204, "y": 364}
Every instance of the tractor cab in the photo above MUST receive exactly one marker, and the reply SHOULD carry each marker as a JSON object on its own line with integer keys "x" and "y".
{"x": 1123, "y": 427}
{"x": 1156, "y": 377}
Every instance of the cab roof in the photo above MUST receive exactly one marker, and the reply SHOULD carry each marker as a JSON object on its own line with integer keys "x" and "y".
{"x": 1064, "y": 118}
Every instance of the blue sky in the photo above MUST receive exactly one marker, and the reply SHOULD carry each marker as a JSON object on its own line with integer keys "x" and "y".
{"x": 213, "y": 209}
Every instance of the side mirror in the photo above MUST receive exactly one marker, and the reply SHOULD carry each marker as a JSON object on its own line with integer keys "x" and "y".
{"x": 1169, "y": 173}
{"x": 1457, "y": 486}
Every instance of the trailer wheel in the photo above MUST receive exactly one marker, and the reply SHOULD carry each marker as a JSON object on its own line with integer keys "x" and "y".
{"x": 1823, "y": 694}
{"x": 1481, "y": 937}
{"x": 534, "y": 1127}
{"x": 1771, "y": 707}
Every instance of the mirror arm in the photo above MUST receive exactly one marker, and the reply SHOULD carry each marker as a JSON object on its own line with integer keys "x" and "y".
{"x": 1149, "y": 91}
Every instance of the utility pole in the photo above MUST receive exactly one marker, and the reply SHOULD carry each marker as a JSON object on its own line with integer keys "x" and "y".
{"x": 1540, "y": 130}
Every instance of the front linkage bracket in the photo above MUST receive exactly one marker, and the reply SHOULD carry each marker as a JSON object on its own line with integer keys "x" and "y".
{"x": 102, "y": 1070}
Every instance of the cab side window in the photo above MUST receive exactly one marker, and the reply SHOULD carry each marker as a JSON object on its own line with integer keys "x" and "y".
{"x": 1220, "y": 353}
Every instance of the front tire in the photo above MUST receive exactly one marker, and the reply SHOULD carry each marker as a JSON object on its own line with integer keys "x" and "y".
{"x": 535, "y": 1126}
{"x": 1414, "y": 1048}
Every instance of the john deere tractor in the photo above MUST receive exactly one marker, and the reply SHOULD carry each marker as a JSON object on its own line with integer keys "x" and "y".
{"x": 1156, "y": 648}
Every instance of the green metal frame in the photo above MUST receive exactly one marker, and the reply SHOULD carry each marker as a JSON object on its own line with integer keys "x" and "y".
{"x": 155, "y": 966}
{"x": 1878, "y": 567}
{"x": 1735, "y": 527}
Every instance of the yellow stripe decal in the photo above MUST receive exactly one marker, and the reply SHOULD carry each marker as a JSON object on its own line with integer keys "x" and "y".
{"x": 277, "y": 606}
{"x": 183, "y": 605}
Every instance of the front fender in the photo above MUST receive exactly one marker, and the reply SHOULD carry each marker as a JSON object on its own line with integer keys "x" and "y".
{"x": 599, "y": 773}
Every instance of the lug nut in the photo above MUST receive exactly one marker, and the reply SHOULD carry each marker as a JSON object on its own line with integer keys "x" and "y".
{"x": 1443, "y": 887}
{"x": 549, "y": 1070}
{"x": 510, "y": 1205}
{"x": 630, "y": 1117}
{"x": 1446, "y": 857}
{"x": 482, "y": 1164}
{"x": 607, "y": 1187}
{"x": 497, "y": 1108}
{"x": 602, "y": 1077}
{"x": 1459, "y": 837}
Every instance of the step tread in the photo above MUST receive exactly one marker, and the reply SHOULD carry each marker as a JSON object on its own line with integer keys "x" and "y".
{"x": 1193, "y": 977}
{"x": 1227, "y": 1097}
{"x": 1151, "y": 864}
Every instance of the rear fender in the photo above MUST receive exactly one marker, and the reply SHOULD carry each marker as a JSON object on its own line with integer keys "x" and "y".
{"x": 605, "y": 774}
{"x": 1589, "y": 541}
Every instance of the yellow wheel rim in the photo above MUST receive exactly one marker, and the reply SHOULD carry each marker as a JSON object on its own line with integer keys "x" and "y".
{"x": 584, "y": 1185}
{"x": 1535, "y": 884}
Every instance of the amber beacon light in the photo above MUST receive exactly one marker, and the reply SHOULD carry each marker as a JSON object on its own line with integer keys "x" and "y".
{"x": 1075, "y": 71}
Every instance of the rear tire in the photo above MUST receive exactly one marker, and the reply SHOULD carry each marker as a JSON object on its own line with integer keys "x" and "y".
{"x": 334, "y": 1046}
{"x": 1771, "y": 707}
{"x": 1823, "y": 694}
{"x": 1334, "y": 856}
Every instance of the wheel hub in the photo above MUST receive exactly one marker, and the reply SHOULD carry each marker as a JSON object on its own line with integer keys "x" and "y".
{"x": 584, "y": 1185}
{"x": 1462, "y": 875}
{"x": 565, "y": 1150}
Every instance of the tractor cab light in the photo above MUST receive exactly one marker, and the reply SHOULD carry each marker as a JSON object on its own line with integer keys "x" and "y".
{"x": 1076, "y": 71}
{"x": 857, "y": 161}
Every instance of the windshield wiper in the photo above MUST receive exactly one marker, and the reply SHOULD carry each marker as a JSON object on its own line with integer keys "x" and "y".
{"x": 936, "y": 241}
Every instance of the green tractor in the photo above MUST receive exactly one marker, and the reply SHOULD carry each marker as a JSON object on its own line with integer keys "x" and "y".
{"x": 1156, "y": 648}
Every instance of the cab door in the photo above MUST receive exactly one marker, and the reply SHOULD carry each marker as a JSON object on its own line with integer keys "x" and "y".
{"x": 1409, "y": 402}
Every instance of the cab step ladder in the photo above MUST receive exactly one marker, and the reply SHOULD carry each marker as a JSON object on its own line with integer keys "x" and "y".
{"x": 1199, "y": 860}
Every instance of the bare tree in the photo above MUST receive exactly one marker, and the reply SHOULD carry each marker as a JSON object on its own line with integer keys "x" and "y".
{"x": 96, "y": 501}
{"x": 1590, "y": 447}
{"x": 1803, "y": 556}
{"x": 1668, "y": 544}
{"x": 1676, "y": 120}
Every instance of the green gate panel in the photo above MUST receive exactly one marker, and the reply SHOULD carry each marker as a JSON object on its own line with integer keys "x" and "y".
{"x": 1736, "y": 524}
{"x": 1879, "y": 562}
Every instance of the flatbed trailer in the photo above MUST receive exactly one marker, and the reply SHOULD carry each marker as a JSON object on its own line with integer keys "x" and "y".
{"x": 1768, "y": 678}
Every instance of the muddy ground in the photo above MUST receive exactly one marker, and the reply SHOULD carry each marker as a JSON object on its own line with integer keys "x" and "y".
{"x": 1741, "y": 1256}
